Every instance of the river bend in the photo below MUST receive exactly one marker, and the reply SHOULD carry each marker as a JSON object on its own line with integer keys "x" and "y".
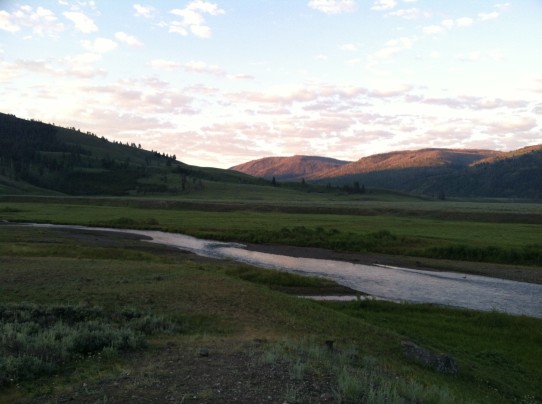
{"x": 394, "y": 283}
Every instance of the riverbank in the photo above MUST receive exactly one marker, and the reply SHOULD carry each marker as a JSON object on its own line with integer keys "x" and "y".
{"x": 242, "y": 341}
{"x": 502, "y": 271}
{"x": 514, "y": 273}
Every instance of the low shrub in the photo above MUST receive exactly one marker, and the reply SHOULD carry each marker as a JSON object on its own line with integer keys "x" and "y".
{"x": 37, "y": 340}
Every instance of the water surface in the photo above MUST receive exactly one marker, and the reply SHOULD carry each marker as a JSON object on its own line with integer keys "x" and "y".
{"x": 392, "y": 283}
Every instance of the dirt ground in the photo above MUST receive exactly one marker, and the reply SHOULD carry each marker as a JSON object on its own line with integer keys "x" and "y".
{"x": 220, "y": 371}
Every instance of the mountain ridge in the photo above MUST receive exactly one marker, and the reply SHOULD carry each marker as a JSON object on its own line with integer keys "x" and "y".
{"x": 433, "y": 171}
{"x": 288, "y": 168}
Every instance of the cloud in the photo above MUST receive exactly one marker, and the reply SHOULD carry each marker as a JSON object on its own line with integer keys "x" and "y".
{"x": 512, "y": 124}
{"x": 193, "y": 19}
{"x": 380, "y": 5}
{"x": 333, "y": 6}
{"x": 197, "y": 66}
{"x": 137, "y": 97}
{"x": 393, "y": 47}
{"x": 144, "y": 11}
{"x": 495, "y": 55}
{"x": 161, "y": 64}
{"x": 128, "y": 39}
{"x": 41, "y": 21}
{"x": 464, "y": 21}
{"x": 348, "y": 47}
{"x": 433, "y": 29}
{"x": 488, "y": 16}
{"x": 99, "y": 45}
{"x": 410, "y": 14}
{"x": 476, "y": 103}
{"x": 81, "y": 21}
{"x": 448, "y": 24}
{"x": 7, "y": 23}
{"x": 80, "y": 66}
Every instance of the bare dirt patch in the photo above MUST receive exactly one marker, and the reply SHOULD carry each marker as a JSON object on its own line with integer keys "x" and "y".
{"x": 217, "y": 371}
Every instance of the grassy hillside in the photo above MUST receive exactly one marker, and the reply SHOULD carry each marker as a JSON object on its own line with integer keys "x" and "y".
{"x": 41, "y": 158}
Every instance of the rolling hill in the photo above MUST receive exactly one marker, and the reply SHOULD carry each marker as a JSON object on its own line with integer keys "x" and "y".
{"x": 40, "y": 158}
{"x": 409, "y": 159}
{"x": 288, "y": 168}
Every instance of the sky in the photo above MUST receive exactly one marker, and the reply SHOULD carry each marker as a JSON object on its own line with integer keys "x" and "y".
{"x": 219, "y": 83}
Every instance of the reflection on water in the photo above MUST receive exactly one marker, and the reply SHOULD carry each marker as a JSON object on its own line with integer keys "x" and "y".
{"x": 446, "y": 288}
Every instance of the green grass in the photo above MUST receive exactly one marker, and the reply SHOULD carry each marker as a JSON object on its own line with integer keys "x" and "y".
{"x": 400, "y": 233}
{"x": 498, "y": 355}
{"x": 490, "y": 347}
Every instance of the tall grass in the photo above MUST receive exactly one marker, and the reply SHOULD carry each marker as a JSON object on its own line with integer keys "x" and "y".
{"x": 355, "y": 378}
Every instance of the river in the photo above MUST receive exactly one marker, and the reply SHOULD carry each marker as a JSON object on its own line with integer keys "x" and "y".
{"x": 392, "y": 283}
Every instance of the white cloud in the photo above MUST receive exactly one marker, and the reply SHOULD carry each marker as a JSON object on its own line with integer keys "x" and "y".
{"x": 81, "y": 21}
{"x": 488, "y": 16}
{"x": 99, "y": 45}
{"x": 202, "y": 31}
{"x": 82, "y": 65}
{"x": 7, "y": 23}
{"x": 333, "y": 6}
{"x": 197, "y": 66}
{"x": 193, "y": 19}
{"x": 411, "y": 14}
{"x": 202, "y": 67}
{"x": 348, "y": 47}
{"x": 464, "y": 21}
{"x": 143, "y": 11}
{"x": 380, "y": 5}
{"x": 128, "y": 39}
{"x": 41, "y": 21}
{"x": 495, "y": 55}
{"x": 448, "y": 24}
{"x": 393, "y": 47}
{"x": 161, "y": 64}
{"x": 433, "y": 29}
{"x": 502, "y": 6}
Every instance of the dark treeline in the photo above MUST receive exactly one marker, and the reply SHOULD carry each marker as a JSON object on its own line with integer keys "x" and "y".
{"x": 68, "y": 161}
{"x": 73, "y": 162}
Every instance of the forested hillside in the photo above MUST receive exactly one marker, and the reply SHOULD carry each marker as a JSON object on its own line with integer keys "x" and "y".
{"x": 35, "y": 154}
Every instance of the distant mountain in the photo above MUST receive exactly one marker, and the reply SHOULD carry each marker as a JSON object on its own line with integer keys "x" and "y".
{"x": 458, "y": 158}
{"x": 288, "y": 168}
{"x": 507, "y": 155}
{"x": 437, "y": 172}
{"x": 39, "y": 158}
{"x": 448, "y": 173}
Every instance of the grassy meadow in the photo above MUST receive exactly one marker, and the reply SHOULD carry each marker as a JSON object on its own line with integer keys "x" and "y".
{"x": 145, "y": 301}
